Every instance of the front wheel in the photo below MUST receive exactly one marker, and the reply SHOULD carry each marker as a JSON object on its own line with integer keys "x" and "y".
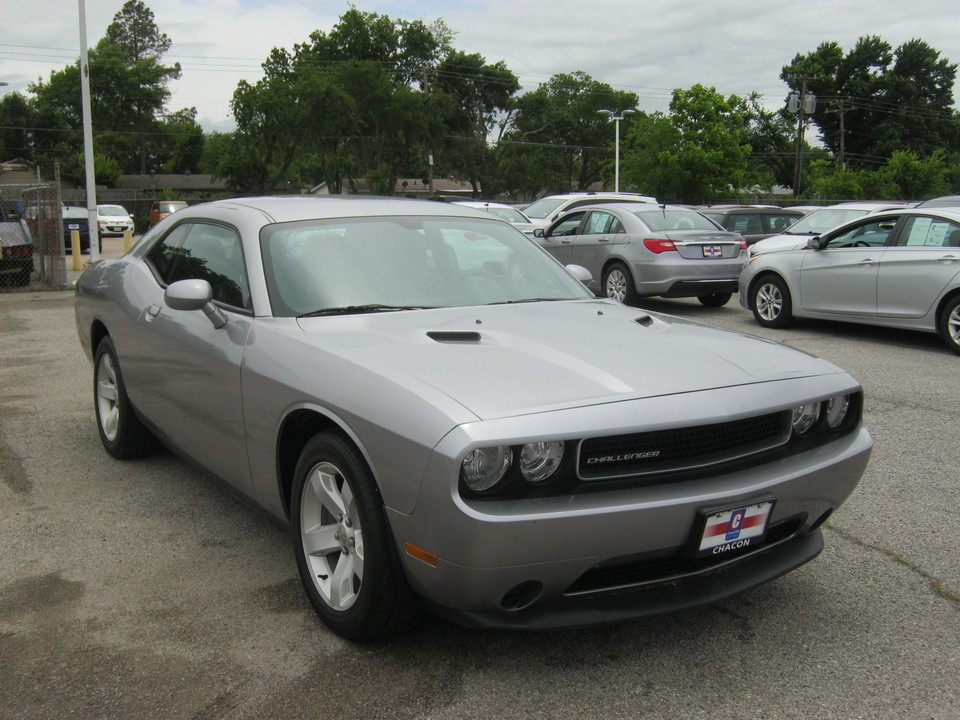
{"x": 715, "y": 300}
{"x": 343, "y": 547}
{"x": 121, "y": 432}
{"x": 618, "y": 284}
{"x": 770, "y": 302}
{"x": 950, "y": 324}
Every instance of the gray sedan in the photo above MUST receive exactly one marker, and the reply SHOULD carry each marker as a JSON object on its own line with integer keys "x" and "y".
{"x": 644, "y": 250}
{"x": 447, "y": 419}
{"x": 894, "y": 268}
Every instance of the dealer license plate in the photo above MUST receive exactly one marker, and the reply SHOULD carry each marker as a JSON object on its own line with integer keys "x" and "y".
{"x": 712, "y": 251}
{"x": 733, "y": 528}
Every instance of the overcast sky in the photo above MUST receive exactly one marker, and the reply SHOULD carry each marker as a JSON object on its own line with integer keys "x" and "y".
{"x": 648, "y": 47}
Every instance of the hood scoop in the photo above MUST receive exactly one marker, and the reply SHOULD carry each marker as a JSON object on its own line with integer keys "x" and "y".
{"x": 644, "y": 320}
{"x": 457, "y": 337}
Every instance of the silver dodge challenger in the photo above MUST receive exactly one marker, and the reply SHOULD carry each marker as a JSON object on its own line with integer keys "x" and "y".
{"x": 448, "y": 420}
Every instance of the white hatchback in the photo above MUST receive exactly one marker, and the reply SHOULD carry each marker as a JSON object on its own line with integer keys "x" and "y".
{"x": 113, "y": 220}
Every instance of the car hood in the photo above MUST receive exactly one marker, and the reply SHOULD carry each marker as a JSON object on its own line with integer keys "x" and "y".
{"x": 506, "y": 360}
{"x": 779, "y": 243}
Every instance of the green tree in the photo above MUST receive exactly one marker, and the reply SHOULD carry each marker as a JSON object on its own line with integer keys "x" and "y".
{"x": 562, "y": 138}
{"x": 16, "y": 119}
{"x": 478, "y": 94}
{"x": 339, "y": 106}
{"x": 696, "y": 153}
{"x": 128, "y": 91}
{"x": 886, "y": 99}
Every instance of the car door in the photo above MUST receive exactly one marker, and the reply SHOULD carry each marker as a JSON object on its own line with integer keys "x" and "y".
{"x": 188, "y": 371}
{"x": 842, "y": 276}
{"x": 914, "y": 271}
{"x": 599, "y": 233}
{"x": 559, "y": 237}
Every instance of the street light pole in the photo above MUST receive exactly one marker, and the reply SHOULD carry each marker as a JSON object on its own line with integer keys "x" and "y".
{"x": 616, "y": 142}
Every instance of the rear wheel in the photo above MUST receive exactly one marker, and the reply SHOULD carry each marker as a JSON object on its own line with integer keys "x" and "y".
{"x": 618, "y": 284}
{"x": 770, "y": 302}
{"x": 950, "y": 324}
{"x": 718, "y": 299}
{"x": 121, "y": 432}
{"x": 343, "y": 546}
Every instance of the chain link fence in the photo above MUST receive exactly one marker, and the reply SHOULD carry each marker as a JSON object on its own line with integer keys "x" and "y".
{"x": 32, "y": 214}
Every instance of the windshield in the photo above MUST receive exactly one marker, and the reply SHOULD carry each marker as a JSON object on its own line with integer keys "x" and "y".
{"x": 669, "y": 219}
{"x": 347, "y": 265}
{"x": 112, "y": 211}
{"x": 543, "y": 207}
{"x": 819, "y": 221}
{"x": 507, "y": 213}
{"x": 170, "y": 207}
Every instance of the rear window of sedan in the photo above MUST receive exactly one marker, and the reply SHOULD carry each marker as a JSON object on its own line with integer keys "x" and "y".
{"x": 666, "y": 219}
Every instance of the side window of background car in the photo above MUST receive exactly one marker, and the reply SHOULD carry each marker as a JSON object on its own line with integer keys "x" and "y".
{"x": 929, "y": 232}
{"x": 599, "y": 223}
{"x": 866, "y": 234}
{"x": 568, "y": 225}
{"x": 213, "y": 253}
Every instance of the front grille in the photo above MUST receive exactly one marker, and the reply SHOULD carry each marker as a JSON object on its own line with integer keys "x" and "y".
{"x": 679, "y": 449}
{"x": 628, "y": 574}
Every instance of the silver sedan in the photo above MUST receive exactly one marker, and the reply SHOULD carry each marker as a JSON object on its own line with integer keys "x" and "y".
{"x": 447, "y": 419}
{"x": 897, "y": 268}
{"x": 643, "y": 250}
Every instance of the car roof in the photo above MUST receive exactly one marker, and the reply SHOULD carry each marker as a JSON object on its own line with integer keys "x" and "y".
{"x": 307, "y": 207}
{"x": 481, "y": 204}
{"x": 751, "y": 210}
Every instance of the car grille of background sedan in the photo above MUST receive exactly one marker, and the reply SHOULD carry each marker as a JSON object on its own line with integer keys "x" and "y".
{"x": 680, "y": 449}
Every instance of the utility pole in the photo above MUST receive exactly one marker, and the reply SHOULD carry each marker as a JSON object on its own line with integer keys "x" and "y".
{"x": 426, "y": 87}
{"x": 803, "y": 105}
{"x": 841, "y": 108}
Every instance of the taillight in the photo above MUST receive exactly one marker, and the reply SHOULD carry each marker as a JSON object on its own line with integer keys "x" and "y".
{"x": 659, "y": 246}
{"x": 743, "y": 243}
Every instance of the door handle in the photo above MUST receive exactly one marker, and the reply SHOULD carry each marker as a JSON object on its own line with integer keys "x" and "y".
{"x": 949, "y": 258}
{"x": 566, "y": 242}
{"x": 867, "y": 261}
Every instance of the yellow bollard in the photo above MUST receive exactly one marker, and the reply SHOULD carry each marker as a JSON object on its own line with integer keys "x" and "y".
{"x": 127, "y": 240}
{"x": 75, "y": 249}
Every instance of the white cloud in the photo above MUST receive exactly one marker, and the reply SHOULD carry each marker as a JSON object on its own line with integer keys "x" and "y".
{"x": 646, "y": 46}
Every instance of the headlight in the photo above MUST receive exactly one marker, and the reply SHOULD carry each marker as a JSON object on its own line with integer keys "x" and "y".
{"x": 485, "y": 467}
{"x": 540, "y": 460}
{"x": 837, "y": 410}
{"x": 805, "y": 417}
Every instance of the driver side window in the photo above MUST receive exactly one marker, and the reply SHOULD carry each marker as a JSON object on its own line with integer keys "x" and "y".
{"x": 868, "y": 234}
{"x": 204, "y": 252}
{"x": 567, "y": 226}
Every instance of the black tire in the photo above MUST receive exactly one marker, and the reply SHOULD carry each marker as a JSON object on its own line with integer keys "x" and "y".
{"x": 618, "y": 284}
{"x": 121, "y": 432}
{"x": 715, "y": 300}
{"x": 950, "y": 324}
{"x": 336, "y": 509}
{"x": 771, "y": 303}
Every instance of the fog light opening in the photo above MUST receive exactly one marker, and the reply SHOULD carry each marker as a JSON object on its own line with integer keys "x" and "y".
{"x": 820, "y": 521}
{"x": 521, "y": 596}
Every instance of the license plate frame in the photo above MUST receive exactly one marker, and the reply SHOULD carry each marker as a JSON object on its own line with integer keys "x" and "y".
{"x": 721, "y": 530}
{"x": 712, "y": 252}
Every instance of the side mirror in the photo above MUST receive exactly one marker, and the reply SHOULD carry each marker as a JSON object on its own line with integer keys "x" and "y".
{"x": 580, "y": 273}
{"x": 816, "y": 243}
{"x": 538, "y": 232}
{"x": 194, "y": 295}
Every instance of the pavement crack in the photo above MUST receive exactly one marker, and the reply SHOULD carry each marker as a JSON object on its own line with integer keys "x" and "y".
{"x": 935, "y": 583}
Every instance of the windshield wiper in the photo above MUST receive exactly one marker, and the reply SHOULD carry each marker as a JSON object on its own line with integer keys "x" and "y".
{"x": 527, "y": 300}
{"x": 360, "y": 310}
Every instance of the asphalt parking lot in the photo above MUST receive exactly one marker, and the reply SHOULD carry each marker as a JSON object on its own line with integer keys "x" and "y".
{"x": 143, "y": 590}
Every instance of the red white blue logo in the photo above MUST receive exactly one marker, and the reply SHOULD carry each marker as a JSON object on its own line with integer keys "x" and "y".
{"x": 712, "y": 251}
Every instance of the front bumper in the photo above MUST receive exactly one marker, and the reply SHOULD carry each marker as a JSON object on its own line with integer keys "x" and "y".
{"x": 606, "y": 556}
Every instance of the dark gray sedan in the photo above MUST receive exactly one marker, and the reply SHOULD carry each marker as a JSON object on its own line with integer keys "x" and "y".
{"x": 447, "y": 419}
{"x": 643, "y": 250}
